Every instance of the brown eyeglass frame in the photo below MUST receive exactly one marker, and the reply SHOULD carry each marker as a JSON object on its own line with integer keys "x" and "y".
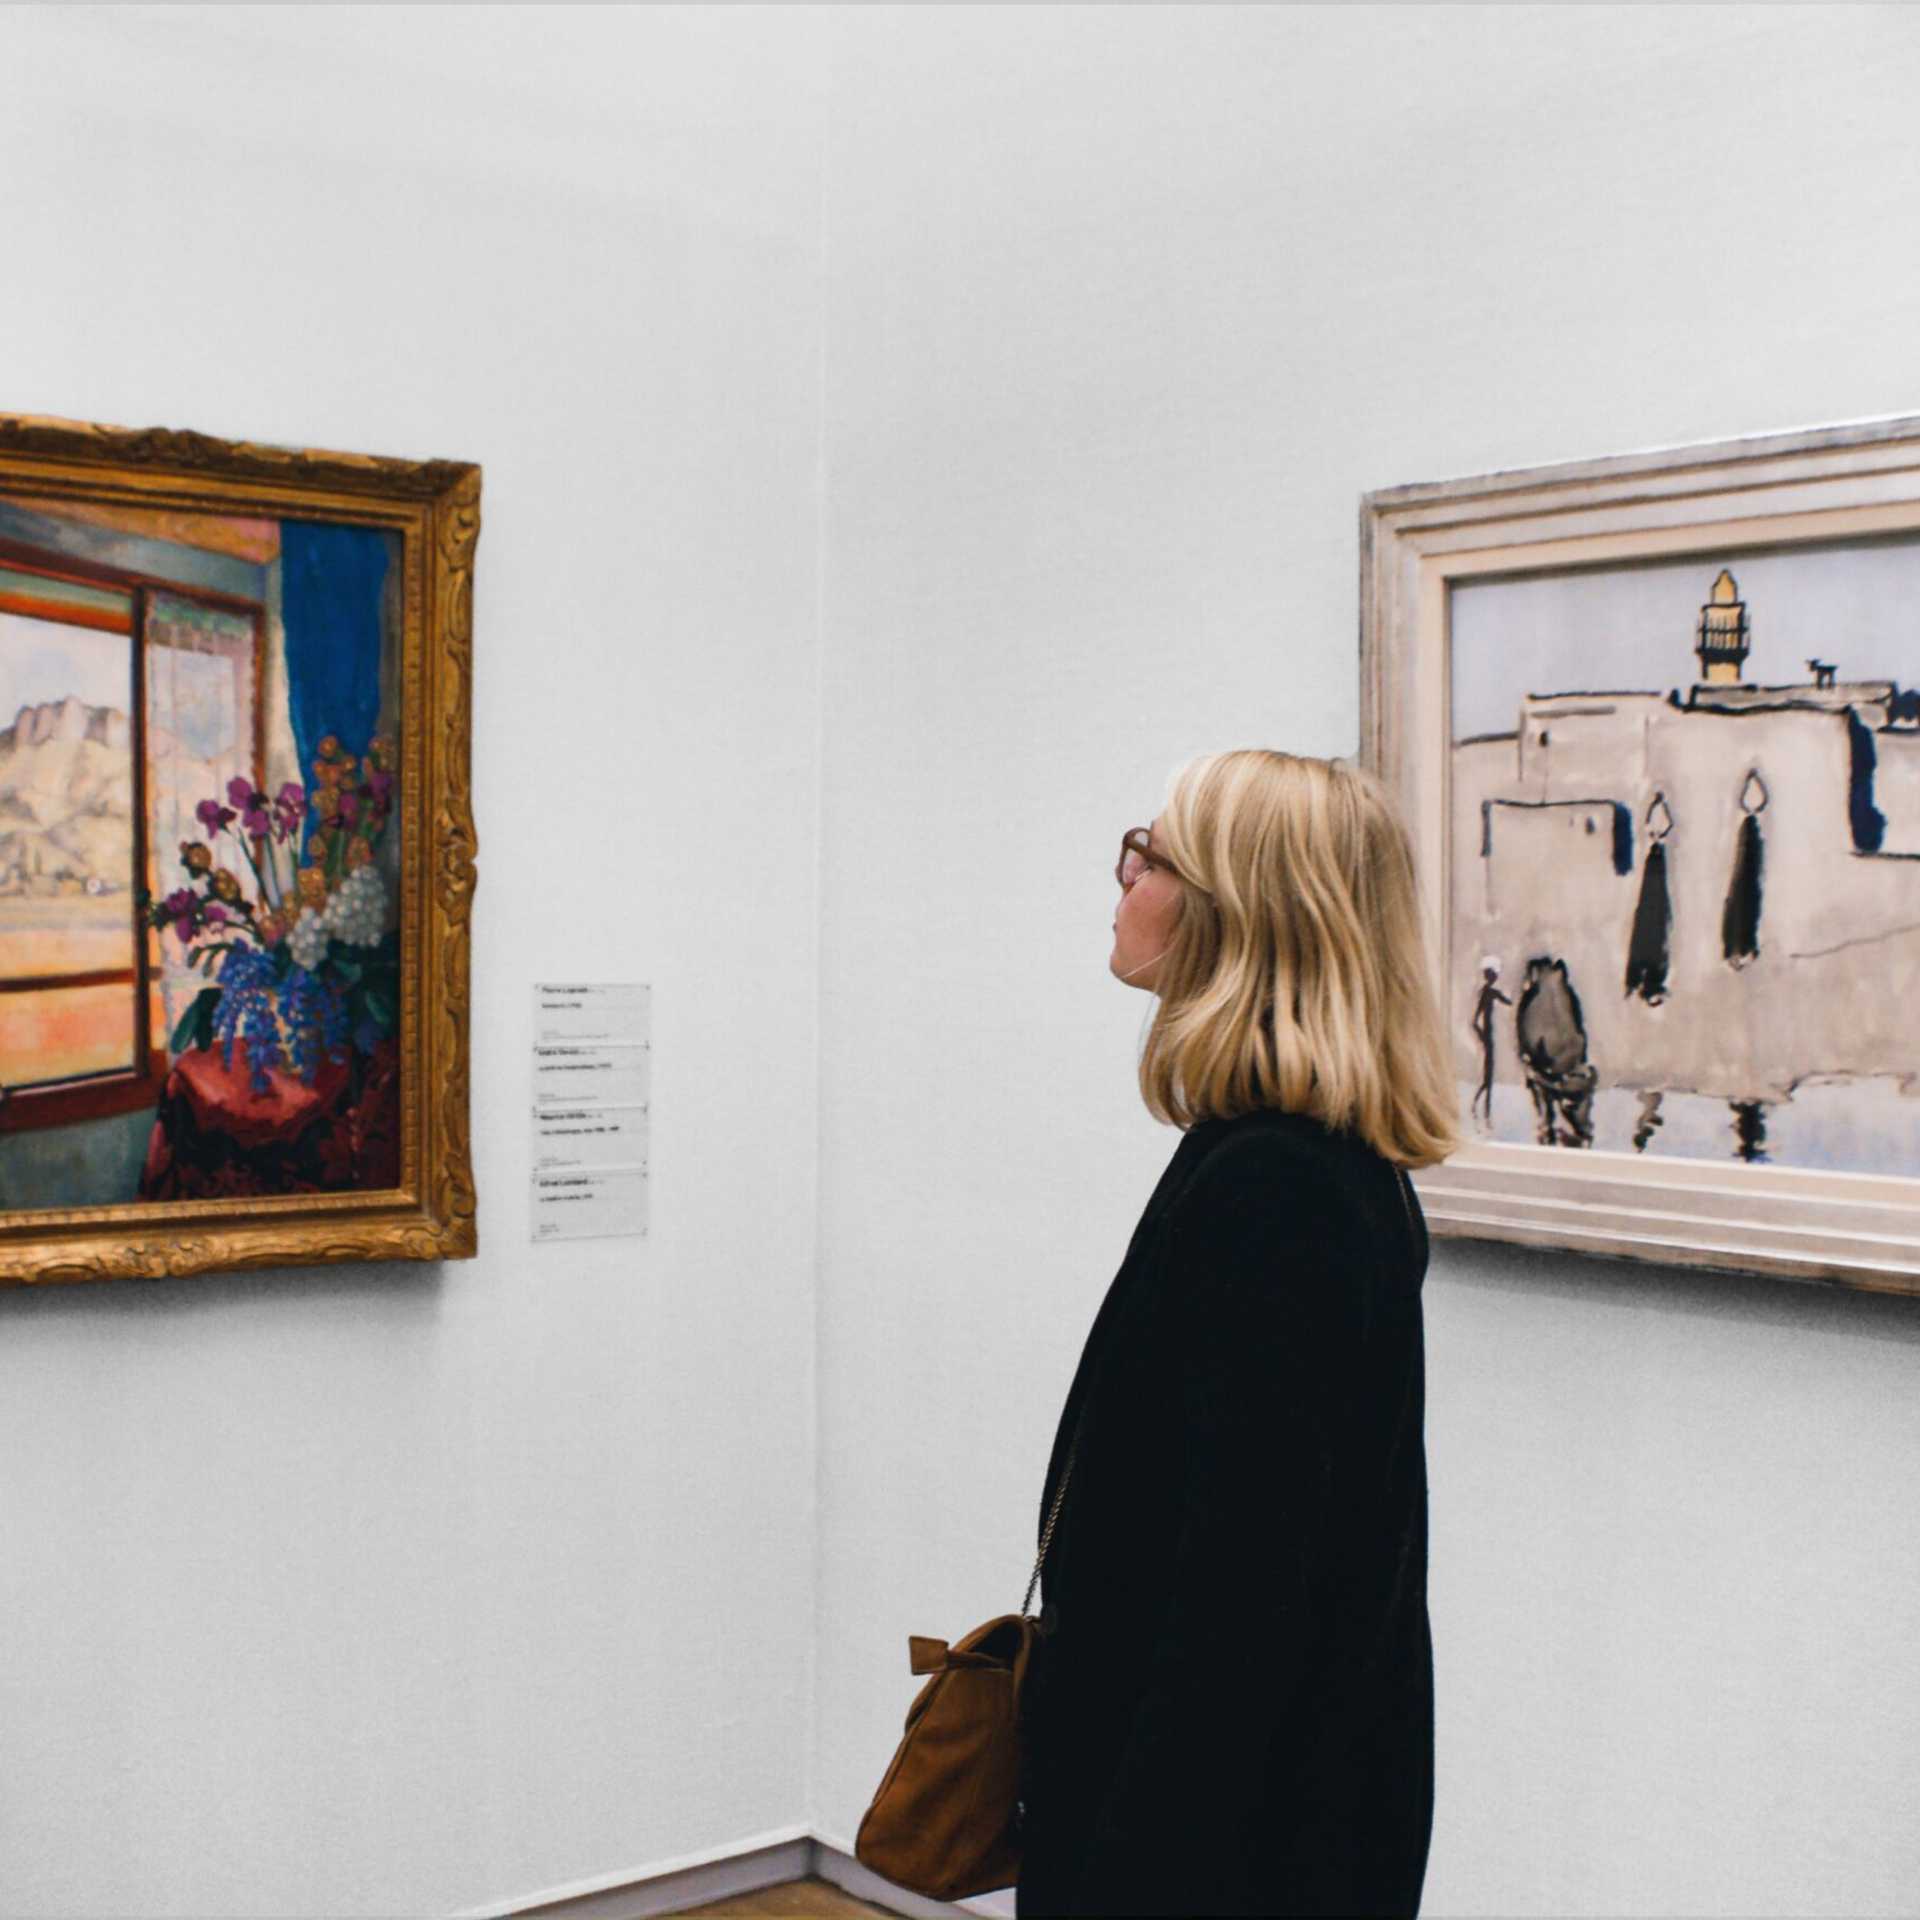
{"x": 1143, "y": 847}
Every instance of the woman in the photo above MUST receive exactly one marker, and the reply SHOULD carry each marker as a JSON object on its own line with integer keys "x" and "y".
{"x": 1231, "y": 1710}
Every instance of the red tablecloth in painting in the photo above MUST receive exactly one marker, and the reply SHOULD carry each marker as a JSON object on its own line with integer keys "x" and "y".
{"x": 213, "y": 1135}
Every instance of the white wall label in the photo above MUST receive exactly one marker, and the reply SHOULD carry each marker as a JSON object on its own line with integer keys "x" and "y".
{"x": 589, "y": 1203}
{"x": 589, "y": 1136}
{"x": 569, "y": 1075}
{"x": 592, "y": 1079}
{"x": 614, "y": 1013}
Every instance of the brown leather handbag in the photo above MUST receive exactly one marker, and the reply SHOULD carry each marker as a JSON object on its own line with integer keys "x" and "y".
{"x": 946, "y": 1818}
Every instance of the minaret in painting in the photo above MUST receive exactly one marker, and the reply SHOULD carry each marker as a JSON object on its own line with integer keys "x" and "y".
{"x": 1720, "y": 638}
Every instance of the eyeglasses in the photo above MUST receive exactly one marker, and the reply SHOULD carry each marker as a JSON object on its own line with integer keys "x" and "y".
{"x": 1136, "y": 856}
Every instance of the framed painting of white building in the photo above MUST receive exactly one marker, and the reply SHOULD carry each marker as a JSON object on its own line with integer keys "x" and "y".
{"x": 1655, "y": 723}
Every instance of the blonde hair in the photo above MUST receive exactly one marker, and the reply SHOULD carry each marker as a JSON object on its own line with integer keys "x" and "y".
{"x": 1296, "y": 974}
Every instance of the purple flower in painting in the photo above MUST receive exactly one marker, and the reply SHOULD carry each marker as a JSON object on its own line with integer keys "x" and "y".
{"x": 212, "y": 815}
{"x": 181, "y": 911}
{"x": 380, "y": 785}
{"x": 289, "y": 807}
{"x": 214, "y": 913}
{"x": 252, "y": 804}
{"x": 349, "y": 806}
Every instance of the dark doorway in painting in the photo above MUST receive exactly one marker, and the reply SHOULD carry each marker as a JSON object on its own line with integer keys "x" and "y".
{"x": 1740, "y": 918}
{"x": 1650, "y": 944}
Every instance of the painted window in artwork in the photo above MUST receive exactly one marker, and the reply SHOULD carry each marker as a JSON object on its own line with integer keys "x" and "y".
{"x": 73, "y": 709}
{"x": 69, "y": 957}
{"x": 202, "y": 733}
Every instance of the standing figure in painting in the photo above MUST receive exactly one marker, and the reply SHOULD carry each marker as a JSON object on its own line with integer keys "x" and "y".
{"x": 1552, "y": 1034}
{"x": 1484, "y": 1002}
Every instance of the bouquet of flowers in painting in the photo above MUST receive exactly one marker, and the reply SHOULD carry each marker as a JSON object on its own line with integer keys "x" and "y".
{"x": 308, "y": 968}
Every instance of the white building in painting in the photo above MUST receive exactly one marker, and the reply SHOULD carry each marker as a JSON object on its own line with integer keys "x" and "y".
{"x": 1728, "y": 874}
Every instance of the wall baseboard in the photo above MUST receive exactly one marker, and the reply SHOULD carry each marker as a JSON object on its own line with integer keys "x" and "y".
{"x": 753, "y": 1867}
{"x": 833, "y": 1860}
{"x": 668, "y": 1887}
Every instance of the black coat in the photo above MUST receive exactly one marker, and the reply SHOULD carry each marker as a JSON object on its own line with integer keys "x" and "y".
{"x": 1232, "y": 1710}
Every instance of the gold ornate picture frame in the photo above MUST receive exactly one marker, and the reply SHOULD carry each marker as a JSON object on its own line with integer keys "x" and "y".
{"x": 236, "y": 854}
{"x": 1653, "y": 723}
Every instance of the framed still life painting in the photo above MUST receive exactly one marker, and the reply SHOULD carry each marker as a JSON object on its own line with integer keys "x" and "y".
{"x": 236, "y": 854}
{"x": 1655, "y": 724}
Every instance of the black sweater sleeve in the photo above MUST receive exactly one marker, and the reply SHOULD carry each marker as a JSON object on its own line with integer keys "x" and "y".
{"x": 1253, "y": 1256}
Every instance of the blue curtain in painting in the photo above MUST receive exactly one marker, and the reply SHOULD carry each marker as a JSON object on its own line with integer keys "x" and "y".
{"x": 332, "y": 582}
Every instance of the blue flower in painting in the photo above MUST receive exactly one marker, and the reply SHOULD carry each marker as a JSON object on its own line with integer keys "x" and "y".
{"x": 316, "y": 1010}
{"x": 247, "y": 1014}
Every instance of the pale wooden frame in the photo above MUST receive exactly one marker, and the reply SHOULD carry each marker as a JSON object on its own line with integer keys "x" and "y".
{"x": 1857, "y": 1230}
{"x": 434, "y": 507}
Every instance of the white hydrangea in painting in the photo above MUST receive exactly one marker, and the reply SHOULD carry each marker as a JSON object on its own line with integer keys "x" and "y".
{"x": 357, "y": 913}
{"x": 307, "y": 942}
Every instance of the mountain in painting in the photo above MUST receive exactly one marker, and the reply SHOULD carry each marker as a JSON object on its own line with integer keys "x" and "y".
{"x": 66, "y": 800}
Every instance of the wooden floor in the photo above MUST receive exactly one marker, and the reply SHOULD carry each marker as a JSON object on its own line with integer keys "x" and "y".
{"x": 797, "y": 1900}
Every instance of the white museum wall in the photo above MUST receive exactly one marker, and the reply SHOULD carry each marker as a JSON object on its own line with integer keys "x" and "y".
{"x": 412, "y": 1590}
{"x": 1126, "y": 310}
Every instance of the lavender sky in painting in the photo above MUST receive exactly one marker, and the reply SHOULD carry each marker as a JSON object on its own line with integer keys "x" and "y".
{"x": 1856, "y": 604}
{"x": 42, "y": 661}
